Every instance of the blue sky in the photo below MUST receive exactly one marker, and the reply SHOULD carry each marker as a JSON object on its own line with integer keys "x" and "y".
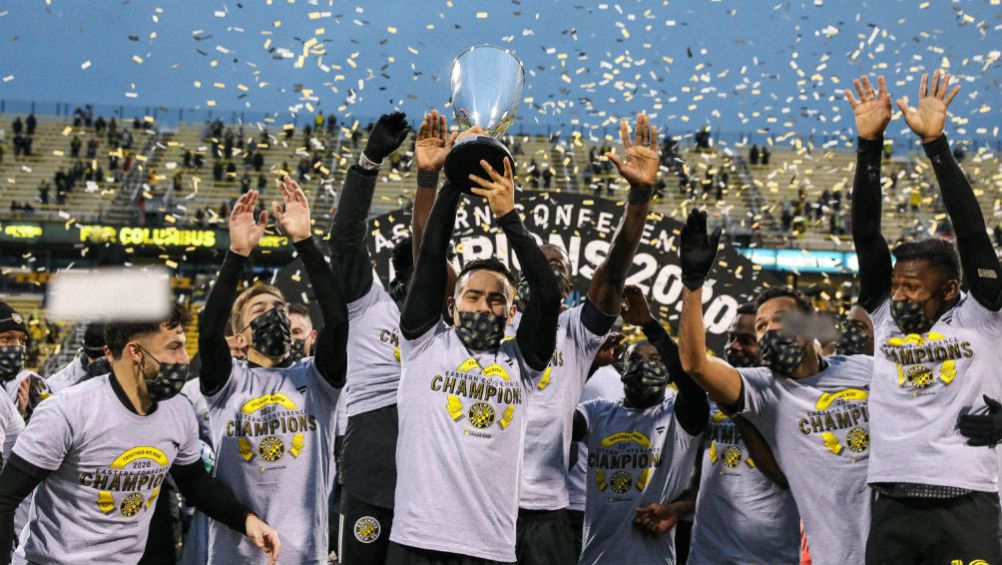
{"x": 740, "y": 65}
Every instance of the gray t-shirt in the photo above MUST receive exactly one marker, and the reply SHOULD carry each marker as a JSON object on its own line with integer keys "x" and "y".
{"x": 69, "y": 375}
{"x": 605, "y": 383}
{"x": 742, "y": 518}
{"x": 635, "y": 457}
{"x": 819, "y": 431}
{"x": 373, "y": 351}
{"x": 273, "y": 430}
{"x": 192, "y": 392}
{"x": 11, "y": 426}
{"x": 462, "y": 433}
{"x": 551, "y": 414}
{"x": 922, "y": 384}
{"x": 107, "y": 466}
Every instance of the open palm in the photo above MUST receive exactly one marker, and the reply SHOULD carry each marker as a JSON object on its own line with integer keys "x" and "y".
{"x": 295, "y": 218}
{"x": 245, "y": 232}
{"x": 929, "y": 118}
{"x": 642, "y": 157}
{"x": 433, "y": 142}
{"x": 872, "y": 109}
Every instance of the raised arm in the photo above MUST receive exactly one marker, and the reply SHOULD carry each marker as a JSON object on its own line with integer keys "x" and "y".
{"x": 537, "y": 332}
{"x": 977, "y": 256}
{"x": 640, "y": 169}
{"x": 873, "y": 112}
{"x": 245, "y": 234}
{"x": 349, "y": 255}
{"x": 433, "y": 145}
{"x": 698, "y": 253}
{"x": 330, "y": 357}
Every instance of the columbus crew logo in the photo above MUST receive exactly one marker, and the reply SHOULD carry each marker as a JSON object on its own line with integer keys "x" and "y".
{"x": 132, "y": 504}
{"x": 919, "y": 376}
{"x": 271, "y": 448}
{"x": 858, "y": 439}
{"x": 731, "y": 457}
{"x": 481, "y": 415}
{"x": 621, "y": 482}
{"x": 367, "y": 529}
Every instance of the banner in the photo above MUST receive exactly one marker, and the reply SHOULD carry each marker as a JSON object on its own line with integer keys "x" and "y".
{"x": 583, "y": 226}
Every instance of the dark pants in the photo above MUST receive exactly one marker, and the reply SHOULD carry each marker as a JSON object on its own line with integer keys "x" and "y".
{"x": 165, "y": 526}
{"x": 934, "y": 531}
{"x": 365, "y": 532}
{"x": 577, "y": 527}
{"x": 545, "y": 537}
{"x": 406, "y": 555}
{"x": 683, "y": 535}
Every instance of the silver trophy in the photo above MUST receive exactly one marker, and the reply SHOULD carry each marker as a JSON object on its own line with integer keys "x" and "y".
{"x": 486, "y": 92}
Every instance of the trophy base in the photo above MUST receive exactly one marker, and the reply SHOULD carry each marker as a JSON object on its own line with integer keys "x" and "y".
{"x": 464, "y": 160}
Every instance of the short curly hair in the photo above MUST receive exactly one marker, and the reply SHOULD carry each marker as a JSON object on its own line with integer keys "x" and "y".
{"x": 117, "y": 334}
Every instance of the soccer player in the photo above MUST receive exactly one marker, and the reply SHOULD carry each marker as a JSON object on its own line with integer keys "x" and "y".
{"x": 545, "y": 536}
{"x": 937, "y": 498}
{"x": 811, "y": 410}
{"x": 77, "y": 369}
{"x": 368, "y": 466}
{"x": 303, "y": 335}
{"x": 13, "y": 333}
{"x": 641, "y": 449}
{"x": 463, "y": 391}
{"x": 25, "y": 388}
{"x": 272, "y": 418}
{"x": 99, "y": 452}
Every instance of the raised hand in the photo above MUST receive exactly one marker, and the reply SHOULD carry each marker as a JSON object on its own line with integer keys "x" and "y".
{"x": 929, "y": 118}
{"x": 433, "y": 142}
{"x": 872, "y": 109}
{"x": 499, "y": 191}
{"x": 642, "y": 156}
{"x": 295, "y": 219}
{"x": 389, "y": 132}
{"x": 635, "y": 311}
{"x": 245, "y": 233}
{"x": 264, "y": 537}
{"x": 697, "y": 251}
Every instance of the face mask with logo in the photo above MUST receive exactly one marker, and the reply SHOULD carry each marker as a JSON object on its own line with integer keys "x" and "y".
{"x": 644, "y": 379}
{"x": 910, "y": 316}
{"x": 739, "y": 359}
{"x": 272, "y": 333}
{"x": 11, "y": 360}
{"x": 480, "y": 331}
{"x": 779, "y": 352}
{"x": 167, "y": 382}
{"x": 298, "y": 350}
{"x": 851, "y": 340}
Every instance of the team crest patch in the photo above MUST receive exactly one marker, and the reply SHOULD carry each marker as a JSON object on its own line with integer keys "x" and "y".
{"x": 17, "y": 318}
{"x": 271, "y": 448}
{"x": 731, "y": 457}
{"x": 132, "y": 504}
{"x": 367, "y": 529}
{"x": 481, "y": 415}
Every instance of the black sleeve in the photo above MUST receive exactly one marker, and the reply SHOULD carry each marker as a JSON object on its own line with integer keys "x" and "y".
{"x": 537, "y": 332}
{"x": 982, "y": 271}
{"x": 331, "y": 353}
{"x": 17, "y": 481}
{"x": 212, "y": 347}
{"x": 595, "y": 320}
{"x": 871, "y": 247}
{"x": 691, "y": 407}
{"x": 580, "y": 427}
{"x": 209, "y": 495}
{"x": 349, "y": 255}
{"x": 423, "y": 305}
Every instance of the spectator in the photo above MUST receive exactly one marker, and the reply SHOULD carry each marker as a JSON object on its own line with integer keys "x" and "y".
{"x": 753, "y": 155}
{"x": 186, "y": 159}
{"x": 290, "y": 130}
{"x": 28, "y": 140}
{"x": 206, "y": 130}
{"x": 258, "y": 161}
{"x": 307, "y": 133}
{"x": 331, "y": 124}
{"x": 534, "y": 173}
{"x": 99, "y": 125}
{"x": 318, "y": 122}
{"x": 18, "y": 126}
{"x": 231, "y": 171}
{"x": 547, "y": 177}
{"x": 304, "y": 169}
{"x": 91, "y": 148}
{"x": 75, "y": 144}
{"x": 765, "y": 156}
{"x": 262, "y": 183}
{"x": 217, "y": 171}
{"x": 31, "y": 123}
{"x": 245, "y": 183}
{"x": 199, "y": 160}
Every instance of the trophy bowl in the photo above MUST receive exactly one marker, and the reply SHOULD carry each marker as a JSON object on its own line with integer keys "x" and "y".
{"x": 486, "y": 91}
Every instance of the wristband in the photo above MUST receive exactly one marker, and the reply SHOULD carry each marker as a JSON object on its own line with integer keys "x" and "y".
{"x": 368, "y": 164}
{"x": 640, "y": 194}
{"x": 427, "y": 179}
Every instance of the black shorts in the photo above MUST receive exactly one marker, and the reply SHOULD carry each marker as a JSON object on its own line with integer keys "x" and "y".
{"x": 364, "y": 534}
{"x": 368, "y": 457}
{"x": 406, "y": 555}
{"x": 577, "y": 526}
{"x": 962, "y": 529}
{"x": 545, "y": 537}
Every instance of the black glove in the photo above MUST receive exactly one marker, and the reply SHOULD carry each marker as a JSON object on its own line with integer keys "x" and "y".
{"x": 698, "y": 252}
{"x": 388, "y": 133}
{"x": 985, "y": 429}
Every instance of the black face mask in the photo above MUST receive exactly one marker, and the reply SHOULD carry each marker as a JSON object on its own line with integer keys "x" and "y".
{"x": 910, "y": 316}
{"x": 272, "y": 333}
{"x": 779, "y": 352}
{"x": 298, "y": 350}
{"x": 11, "y": 360}
{"x": 739, "y": 359}
{"x": 167, "y": 382}
{"x": 644, "y": 381}
{"x": 480, "y": 331}
{"x": 851, "y": 340}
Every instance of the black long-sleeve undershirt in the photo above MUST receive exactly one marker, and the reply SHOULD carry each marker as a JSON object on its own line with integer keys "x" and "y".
{"x": 212, "y": 347}
{"x": 17, "y": 480}
{"x": 982, "y": 270}
{"x": 871, "y": 247}
{"x": 208, "y": 495}
{"x": 349, "y": 255}
{"x": 692, "y": 410}
{"x": 331, "y": 356}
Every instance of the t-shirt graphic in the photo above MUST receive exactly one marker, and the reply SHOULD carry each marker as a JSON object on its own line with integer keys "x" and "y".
{"x": 605, "y": 383}
{"x": 818, "y": 429}
{"x": 922, "y": 384}
{"x": 373, "y": 351}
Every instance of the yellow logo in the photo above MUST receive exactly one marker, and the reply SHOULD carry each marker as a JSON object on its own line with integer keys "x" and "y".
{"x": 138, "y": 468}
{"x": 621, "y": 482}
{"x": 367, "y": 529}
{"x": 731, "y": 457}
{"x": 858, "y": 439}
{"x": 132, "y": 504}
{"x": 919, "y": 376}
{"x": 271, "y": 448}
{"x": 481, "y": 415}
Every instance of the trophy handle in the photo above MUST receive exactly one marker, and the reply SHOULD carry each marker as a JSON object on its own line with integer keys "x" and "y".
{"x": 464, "y": 159}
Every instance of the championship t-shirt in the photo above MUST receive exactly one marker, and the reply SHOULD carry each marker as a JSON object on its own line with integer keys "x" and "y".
{"x": 273, "y": 430}
{"x": 11, "y": 426}
{"x": 551, "y": 413}
{"x": 373, "y": 351}
{"x": 635, "y": 457}
{"x": 922, "y": 384}
{"x": 71, "y": 374}
{"x": 742, "y": 518}
{"x": 819, "y": 430}
{"x": 107, "y": 464}
{"x": 461, "y": 438}
{"x": 605, "y": 383}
